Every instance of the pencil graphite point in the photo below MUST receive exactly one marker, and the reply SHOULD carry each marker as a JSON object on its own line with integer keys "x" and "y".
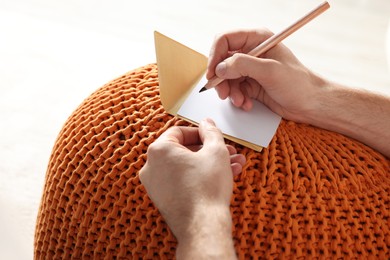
{"x": 202, "y": 89}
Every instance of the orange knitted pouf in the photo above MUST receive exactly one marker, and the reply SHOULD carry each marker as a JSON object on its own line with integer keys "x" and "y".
{"x": 312, "y": 193}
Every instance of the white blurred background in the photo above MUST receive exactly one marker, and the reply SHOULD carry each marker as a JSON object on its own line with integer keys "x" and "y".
{"x": 53, "y": 54}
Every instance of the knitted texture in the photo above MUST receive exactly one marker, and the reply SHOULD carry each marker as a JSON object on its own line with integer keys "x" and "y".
{"x": 311, "y": 194}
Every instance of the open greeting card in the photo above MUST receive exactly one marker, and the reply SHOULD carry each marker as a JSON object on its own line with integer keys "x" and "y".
{"x": 181, "y": 73}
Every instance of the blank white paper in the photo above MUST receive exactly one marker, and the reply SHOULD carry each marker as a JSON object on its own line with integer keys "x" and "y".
{"x": 257, "y": 126}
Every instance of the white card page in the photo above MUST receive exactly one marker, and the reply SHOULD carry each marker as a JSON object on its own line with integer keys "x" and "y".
{"x": 257, "y": 126}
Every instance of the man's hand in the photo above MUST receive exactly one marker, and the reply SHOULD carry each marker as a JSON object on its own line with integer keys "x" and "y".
{"x": 281, "y": 82}
{"x": 277, "y": 78}
{"x": 189, "y": 177}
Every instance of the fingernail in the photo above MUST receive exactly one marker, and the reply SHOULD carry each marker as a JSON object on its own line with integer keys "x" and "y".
{"x": 220, "y": 70}
{"x": 209, "y": 121}
{"x": 233, "y": 100}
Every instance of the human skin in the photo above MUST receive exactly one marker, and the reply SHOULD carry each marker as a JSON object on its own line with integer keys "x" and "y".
{"x": 280, "y": 81}
{"x": 189, "y": 177}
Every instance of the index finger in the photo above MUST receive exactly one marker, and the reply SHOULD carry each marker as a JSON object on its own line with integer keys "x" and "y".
{"x": 236, "y": 41}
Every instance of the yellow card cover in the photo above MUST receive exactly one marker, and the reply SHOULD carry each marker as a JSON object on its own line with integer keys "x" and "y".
{"x": 179, "y": 69}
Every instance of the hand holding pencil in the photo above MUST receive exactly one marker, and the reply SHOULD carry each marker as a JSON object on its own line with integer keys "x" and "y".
{"x": 275, "y": 39}
{"x": 276, "y": 78}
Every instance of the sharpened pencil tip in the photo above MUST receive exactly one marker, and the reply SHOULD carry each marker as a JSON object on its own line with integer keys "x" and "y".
{"x": 202, "y": 89}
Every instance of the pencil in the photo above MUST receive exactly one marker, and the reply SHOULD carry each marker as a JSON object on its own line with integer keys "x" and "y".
{"x": 275, "y": 39}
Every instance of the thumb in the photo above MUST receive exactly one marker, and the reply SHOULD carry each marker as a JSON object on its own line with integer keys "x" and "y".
{"x": 243, "y": 65}
{"x": 210, "y": 134}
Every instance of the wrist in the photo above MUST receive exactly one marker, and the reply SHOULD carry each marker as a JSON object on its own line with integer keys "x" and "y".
{"x": 321, "y": 109}
{"x": 329, "y": 109}
{"x": 208, "y": 235}
{"x": 312, "y": 106}
{"x": 356, "y": 113}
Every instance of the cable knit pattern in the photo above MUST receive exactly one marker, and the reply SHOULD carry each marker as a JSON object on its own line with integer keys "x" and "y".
{"x": 311, "y": 194}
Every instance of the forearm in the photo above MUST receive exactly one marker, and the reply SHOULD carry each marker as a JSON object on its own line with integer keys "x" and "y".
{"x": 359, "y": 114}
{"x": 209, "y": 236}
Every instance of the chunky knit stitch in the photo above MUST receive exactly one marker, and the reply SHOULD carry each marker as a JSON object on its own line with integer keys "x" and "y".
{"x": 311, "y": 193}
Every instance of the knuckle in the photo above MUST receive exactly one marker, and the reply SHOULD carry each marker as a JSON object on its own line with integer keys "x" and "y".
{"x": 237, "y": 60}
{"x": 264, "y": 31}
{"x": 219, "y": 36}
{"x": 156, "y": 149}
{"x": 175, "y": 128}
{"x": 221, "y": 151}
{"x": 238, "y": 57}
{"x": 142, "y": 175}
{"x": 239, "y": 63}
{"x": 214, "y": 130}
